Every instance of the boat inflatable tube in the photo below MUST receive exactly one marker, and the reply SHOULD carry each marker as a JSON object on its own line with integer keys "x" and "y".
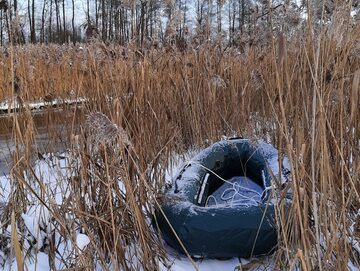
{"x": 220, "y": 230}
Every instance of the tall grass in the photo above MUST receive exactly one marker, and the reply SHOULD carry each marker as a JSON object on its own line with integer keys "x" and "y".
{"x": 299, "y": 91}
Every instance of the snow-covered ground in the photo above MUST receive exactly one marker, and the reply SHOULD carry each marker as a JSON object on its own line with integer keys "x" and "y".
{"x": 52, "y": 172}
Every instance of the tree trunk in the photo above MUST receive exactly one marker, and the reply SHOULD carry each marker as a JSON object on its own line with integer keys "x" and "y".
{"x": 122, "y": 26}
{"x": 142, "y": 21}
{"x": 10, "y": 34}
{"x": 230, "y": 24}
{"x": 58, "y": 25}
{"x": 234, "y": 18}
{"x": 218, "y": 11}
{"x": 73, "y": 22}
{"x": 242, "y": 21}
{"x": 1, "y": 28}
{"x": 103, "y": 20}
{"x": 30, "y": 21}
{"x": 117, "y": 24}
{"x": 33, "y": 32}
{"x": 87, "y": 10}
{"x": 110, "y": 20}
{"x": 208, "y": 19}
{"x": 50, "y": 21}
{"x": 184, "y": 20}
{"x": 42, "y": 30}
{"x": 64, "y": 22}
{"x": 133, "y": 21}
{"x": 96, "y": 14}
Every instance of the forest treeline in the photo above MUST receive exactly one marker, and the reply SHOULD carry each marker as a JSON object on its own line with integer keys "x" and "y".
{"x": 155, "y": 22}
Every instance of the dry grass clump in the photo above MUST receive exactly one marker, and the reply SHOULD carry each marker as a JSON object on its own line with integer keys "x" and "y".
{"x": 299, "y": 92}
{"x": 110, "y": 199}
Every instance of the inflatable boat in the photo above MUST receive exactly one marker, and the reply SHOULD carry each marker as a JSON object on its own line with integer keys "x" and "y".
{"x": 220, "y": 203}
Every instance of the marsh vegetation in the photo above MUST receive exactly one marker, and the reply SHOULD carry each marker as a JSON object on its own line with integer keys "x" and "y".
{"x": 145, "y": 106}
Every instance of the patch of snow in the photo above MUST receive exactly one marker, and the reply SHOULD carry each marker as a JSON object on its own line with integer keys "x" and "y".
{"x": 352, "y": 266}
{"x": 176, "y": 163}
{"x": 82, "y": 240}
{"x": 5, "y": 188}
{"x": 355, "y": 242}
{"x": 41, "y": 263}
{"x": 31, "y": 223}
{"x": 184, "y": 264}
{"x": 179, "y": 262}
{"x": 38, "y": 262}
{"x": 13, "y": 104}
{"x": 271, "y": 154}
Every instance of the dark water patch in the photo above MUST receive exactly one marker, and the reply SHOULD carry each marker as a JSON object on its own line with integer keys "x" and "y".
{"x": 53, "y": 128}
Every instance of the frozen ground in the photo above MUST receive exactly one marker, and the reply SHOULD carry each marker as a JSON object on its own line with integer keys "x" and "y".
{"x": 53, "y": 172}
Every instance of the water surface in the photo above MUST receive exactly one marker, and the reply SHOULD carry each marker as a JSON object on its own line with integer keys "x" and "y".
{"x": 53, "y": 129}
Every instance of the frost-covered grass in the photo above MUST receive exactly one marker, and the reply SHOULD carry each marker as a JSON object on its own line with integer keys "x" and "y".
{"x": 300, "y": 93}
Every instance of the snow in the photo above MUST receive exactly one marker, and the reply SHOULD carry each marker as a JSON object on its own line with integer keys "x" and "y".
{"x": 53, "y": 172}
{"x": 31, "y": 224}
{"x": 82, "y": 240}
{"x": 38, "y": 105}
{"x": 38, "y": 262}
{"x": 178, "y": 262}
{"x": 51, "y": 179}
{"x": 353, "y": 240}
{"x": 184, "y": 264}
{"x": 271, "y": 155}
{"x": 5, "y": 188}
{"x": 352, "y": 266}
{"x": 41, "y": 263}
{"x": 176, "y": 163}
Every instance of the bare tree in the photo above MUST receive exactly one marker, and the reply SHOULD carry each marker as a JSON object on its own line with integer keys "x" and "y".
{"x": 3, "y": 10}
{"x": 31, "y": 13}
{"x": 220, "y": 4}
{"x": 50, "y": 21}
{"x": 42, "y": 29}
{"x": 143, "y": 21}
{"x": 64, "y": 34}
{"x": 57, "y": 16}
{"x": 103, "y": 20}
{"x": 73, "y": 22}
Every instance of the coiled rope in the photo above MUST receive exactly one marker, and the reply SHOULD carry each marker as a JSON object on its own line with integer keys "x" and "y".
{"x": 236, "y": 188}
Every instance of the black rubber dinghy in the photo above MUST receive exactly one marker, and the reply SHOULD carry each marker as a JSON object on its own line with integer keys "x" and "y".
{"x": 220, "y": 230}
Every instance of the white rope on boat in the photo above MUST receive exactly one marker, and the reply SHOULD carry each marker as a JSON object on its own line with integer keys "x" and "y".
{"x": 237, "y": 198}
{"x": 236, "y": 188}
{"x": 234, "y": 197}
